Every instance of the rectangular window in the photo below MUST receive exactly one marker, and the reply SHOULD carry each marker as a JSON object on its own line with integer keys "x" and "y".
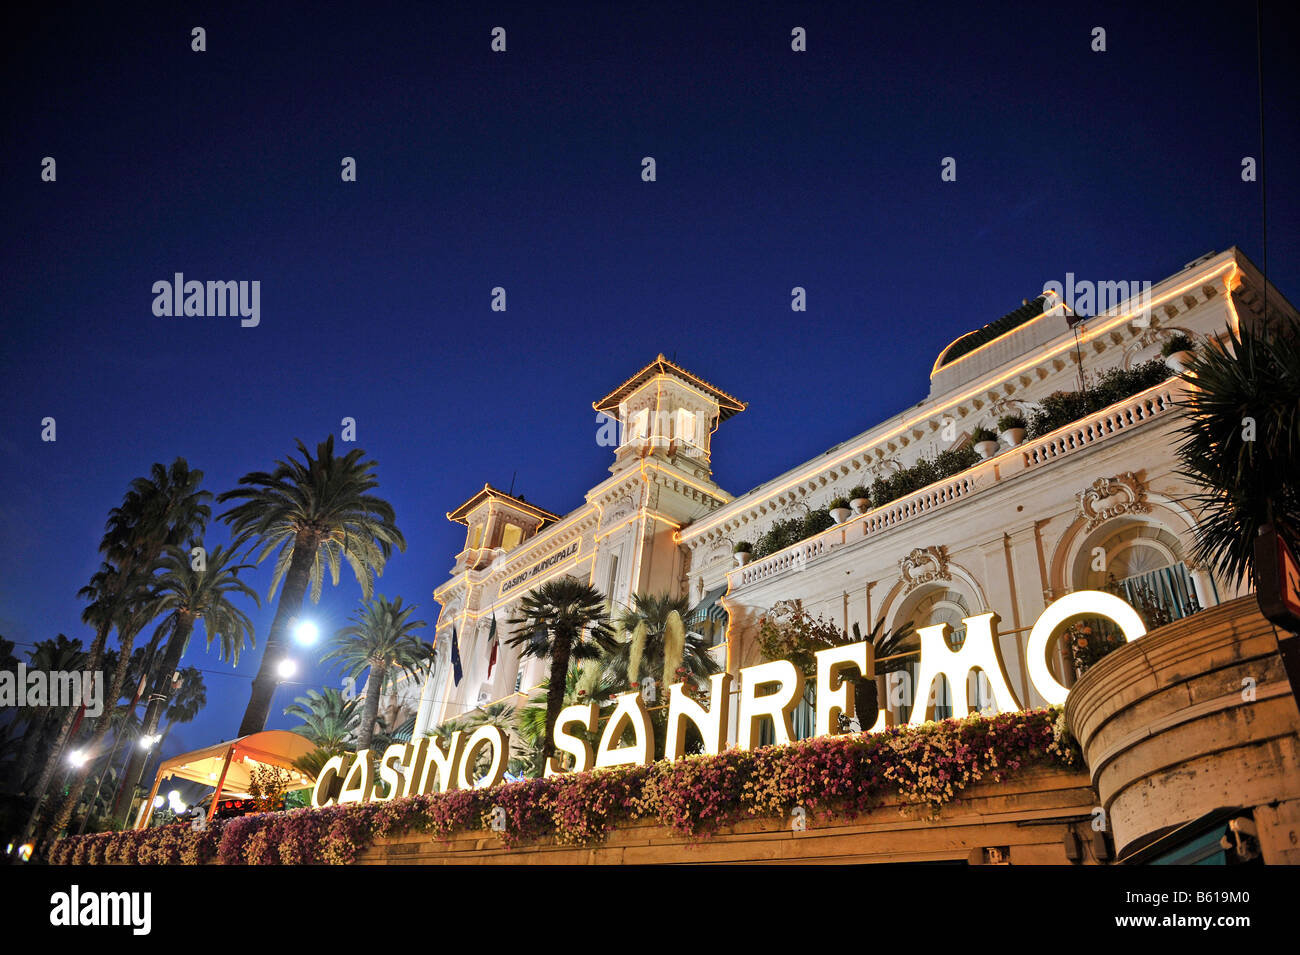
{"x": 511, "y": 536}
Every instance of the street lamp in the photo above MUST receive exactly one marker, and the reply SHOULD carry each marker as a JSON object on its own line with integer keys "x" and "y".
{"x": 306, "y": 632}
{"x": 78, "y": 757}
{"x": 286, "y": 668}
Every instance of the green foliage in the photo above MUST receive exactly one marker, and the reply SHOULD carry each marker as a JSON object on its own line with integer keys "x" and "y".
{"x": 859, "y": 492}
{"x": 1062, "y": 407}
{"x": 742, "y": 547}
{"x": 1009, "y": 421}
{"x": 923, "y": 473}
{"x": 1176, "y": 343}
{"x": 1241, "y": 445}
{"x": 838, "y": 503}
{"x": 983, "y": 434}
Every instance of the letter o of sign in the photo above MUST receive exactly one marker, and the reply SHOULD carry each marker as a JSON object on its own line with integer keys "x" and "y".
{"x": 1082, "y": 603}
{"x": 486, "y": 735}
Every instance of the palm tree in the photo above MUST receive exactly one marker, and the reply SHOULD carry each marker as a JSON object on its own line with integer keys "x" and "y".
{"x": 184, "y": 596}
{"x": 167, "y": 508}
{"x": 659, "y": 644}
{"x": 50, "y": 656}
{"x": 1241, "y": 445}
{"x": 563, "y": 620}
{"x": 315, "y": 512}
{"x": 328, "y": 719}
{"x": 381, "y": 639}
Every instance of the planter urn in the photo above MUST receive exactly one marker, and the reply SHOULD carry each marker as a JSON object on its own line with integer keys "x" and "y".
{"x": 986, "y": 449}
{"x": 742, "y": 558}
{"x": 1178, "y": 361}
{"x": 1013, "y": 436}
{"x": 841, "y": 514}
{"x": 861, "y": 504}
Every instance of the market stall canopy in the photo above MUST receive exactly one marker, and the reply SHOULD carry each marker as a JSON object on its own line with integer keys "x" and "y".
{"x": 270, "y": 747}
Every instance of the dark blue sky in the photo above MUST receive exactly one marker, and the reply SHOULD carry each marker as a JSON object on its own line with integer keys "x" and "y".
{"x": 522, "y": 170}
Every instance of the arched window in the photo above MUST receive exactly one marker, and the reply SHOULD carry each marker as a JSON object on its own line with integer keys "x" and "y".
{"x": 926, "y": 608}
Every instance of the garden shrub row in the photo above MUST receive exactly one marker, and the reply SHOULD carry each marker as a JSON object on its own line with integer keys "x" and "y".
{"x": 924, "y": 767}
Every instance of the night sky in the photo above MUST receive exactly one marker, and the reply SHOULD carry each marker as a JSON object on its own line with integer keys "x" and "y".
{"x": 475, "y": 169}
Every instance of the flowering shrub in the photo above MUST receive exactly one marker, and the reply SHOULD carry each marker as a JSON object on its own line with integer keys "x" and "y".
{"x": 921, "y": 767}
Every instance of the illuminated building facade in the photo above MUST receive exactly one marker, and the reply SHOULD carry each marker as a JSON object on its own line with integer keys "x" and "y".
{"x": 1093, "y": 504}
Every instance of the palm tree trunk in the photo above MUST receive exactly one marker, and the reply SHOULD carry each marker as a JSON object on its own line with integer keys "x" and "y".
{"x": 54, "y": 757}
{"x": 561, "y": 648}
{"x": 368, "y": 716}
{"x": 36, "y": 730}
{"x": 291, "y": 598}
{"x": 102, "y": 725}
{"x": 152, "y": 717}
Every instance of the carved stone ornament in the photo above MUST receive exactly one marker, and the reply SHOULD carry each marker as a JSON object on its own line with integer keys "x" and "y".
{"x": 1111, "y": 497}
{"x": 923, "y": 565}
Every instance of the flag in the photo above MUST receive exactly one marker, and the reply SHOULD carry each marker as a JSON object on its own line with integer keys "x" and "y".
{"x": 456, "y": 670}
{"x": 492, "y": 642}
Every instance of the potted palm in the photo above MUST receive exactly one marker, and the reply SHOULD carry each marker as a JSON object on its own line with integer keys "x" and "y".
{"x": 1177, "y": 351}
{"x": 985, "y": 441}
{"x": 1011, "y": 429}
{"x": 839, "y": 509}
{"x": 860, "y": 498}
{"x": 742, "y": 552}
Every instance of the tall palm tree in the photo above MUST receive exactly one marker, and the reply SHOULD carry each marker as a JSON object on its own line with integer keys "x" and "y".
{"x": 563, "y": 620}
{"x": 314, "y": 512}
{"x": 49, "y": 656}
{"x": 1241, "y": 444}
{"x": 650, "y": 624}
{"x": 381, "y": 638}
{"x": 165, "y": 508}
{"x": 183, "y": 596}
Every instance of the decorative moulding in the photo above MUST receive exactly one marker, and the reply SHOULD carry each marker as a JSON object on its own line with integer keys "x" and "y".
{"x": 1111, "y": 497}
{"x": 923, "y": 565}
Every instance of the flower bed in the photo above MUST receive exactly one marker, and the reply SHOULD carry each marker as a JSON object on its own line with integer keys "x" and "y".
{"x": 842, "y": 776}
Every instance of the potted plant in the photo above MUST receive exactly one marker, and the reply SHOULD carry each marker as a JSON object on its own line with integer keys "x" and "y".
{"x": 985, "y": 442}
{"x": 741, "y": 552}
{"x": 840, "y": 509}
{"x": 860, "y": 498}
{"x": 1177, "y": 351}
{"x": 1011, "y": 429}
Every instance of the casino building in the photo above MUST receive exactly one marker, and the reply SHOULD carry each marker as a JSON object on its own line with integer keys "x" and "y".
{"x": 1096, "y": 503}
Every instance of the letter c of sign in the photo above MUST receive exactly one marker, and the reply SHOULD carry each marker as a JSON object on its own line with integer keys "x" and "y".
{"x": 1082, "y": 603}
{"x": 324, "y": 792}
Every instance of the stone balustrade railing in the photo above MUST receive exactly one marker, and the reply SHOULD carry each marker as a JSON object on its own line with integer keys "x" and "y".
{"x": 1107, "y": 424}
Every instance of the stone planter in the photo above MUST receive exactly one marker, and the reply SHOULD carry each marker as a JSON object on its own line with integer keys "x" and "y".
{"x": 841, "y": 514}
{"x": 986, "y": 449}
{"x": 1178, "y": 361}
{"x": 1195, "y": 716}
{"x": 742, "y": 558}
{"x": 1012, "y": 436}
{"x": 861, "y": 504}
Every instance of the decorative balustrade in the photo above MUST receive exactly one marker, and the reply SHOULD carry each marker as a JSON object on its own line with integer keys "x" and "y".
{"x": 1114, "y": 421}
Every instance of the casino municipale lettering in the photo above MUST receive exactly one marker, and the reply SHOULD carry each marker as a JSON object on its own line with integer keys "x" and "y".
{"x": 438, "y": 765}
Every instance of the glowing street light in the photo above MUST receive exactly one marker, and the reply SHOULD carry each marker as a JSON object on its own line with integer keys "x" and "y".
{"x": 306, "y": 632}
{"x": 147, "y": 741}
{"x": 286, "y": 668}
{"x": 78, "y": 757}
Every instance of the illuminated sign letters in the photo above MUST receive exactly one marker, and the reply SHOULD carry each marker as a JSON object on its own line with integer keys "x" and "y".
{"x": 434, "y": 765}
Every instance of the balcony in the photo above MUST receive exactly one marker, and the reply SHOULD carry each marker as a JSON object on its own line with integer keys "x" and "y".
{"x": 1108, "y": 424}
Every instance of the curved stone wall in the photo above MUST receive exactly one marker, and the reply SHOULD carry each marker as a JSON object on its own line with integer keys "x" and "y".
{"x": 1193, "y": 717}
